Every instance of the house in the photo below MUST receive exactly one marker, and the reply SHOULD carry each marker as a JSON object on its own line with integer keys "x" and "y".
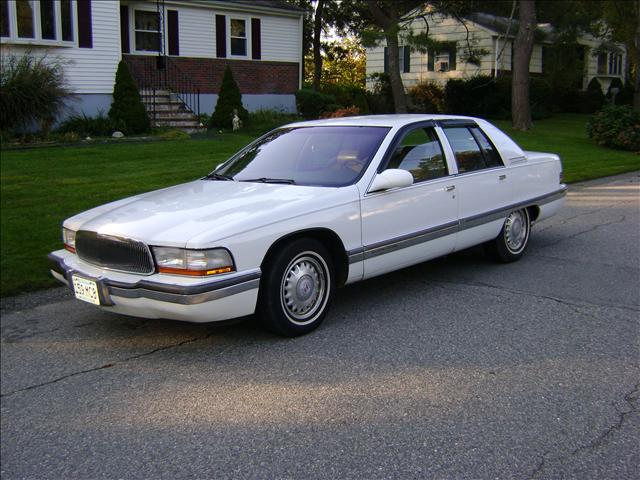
{"x": 494, "y": 37}
{"x": 169, "y": 45}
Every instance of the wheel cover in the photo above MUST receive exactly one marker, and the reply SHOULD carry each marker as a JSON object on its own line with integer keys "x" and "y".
{"x": 303, "y": 293}
{"x": 516, "y": 231}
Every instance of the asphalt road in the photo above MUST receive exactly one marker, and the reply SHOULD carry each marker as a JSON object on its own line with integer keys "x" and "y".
{"x": 458, "y": 368}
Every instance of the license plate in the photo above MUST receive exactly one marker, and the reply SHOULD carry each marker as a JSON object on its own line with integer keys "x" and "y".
{"x": 86, "y": 290}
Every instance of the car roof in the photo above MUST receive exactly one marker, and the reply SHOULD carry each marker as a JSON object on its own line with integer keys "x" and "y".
{"x": 379, "y": 120}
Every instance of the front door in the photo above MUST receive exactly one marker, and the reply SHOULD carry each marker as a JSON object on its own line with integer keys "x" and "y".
{"x": 405, "y": 226}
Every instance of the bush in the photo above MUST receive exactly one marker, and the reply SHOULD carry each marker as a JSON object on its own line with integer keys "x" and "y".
{"x": 311, "y": 103}
{"x": 174, "y": 134}
{"x": 342, "y": 112}
{"x": 484, "y": 96}
{"x": 347, "y": 95}
{"x": 381, "y": 99}
{"x": 229, "y": 99}
{"x": 127, "y": 111}
{"x": 625, "y": 92}
{"x": 616, "y": 127}
{"x": 99, "y": 126}
{"x": 32, "y": 91}
{"x": 594, "y": 99}
{"x": 427, "y": 97}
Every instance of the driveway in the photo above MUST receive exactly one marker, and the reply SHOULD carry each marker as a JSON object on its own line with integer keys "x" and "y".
{"x": 457, "y": 368}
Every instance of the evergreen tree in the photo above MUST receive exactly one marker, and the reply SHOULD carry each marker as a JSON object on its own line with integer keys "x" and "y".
{"x": 127, "y": 110}
{"x": 229, "y": 99}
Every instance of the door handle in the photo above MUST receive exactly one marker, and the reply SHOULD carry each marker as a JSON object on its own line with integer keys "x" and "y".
{"x": 502, "y": 177}
{"x": 450, "y": 188}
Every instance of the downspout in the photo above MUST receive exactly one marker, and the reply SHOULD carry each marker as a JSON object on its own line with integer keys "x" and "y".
{"x": 495, "y": 61}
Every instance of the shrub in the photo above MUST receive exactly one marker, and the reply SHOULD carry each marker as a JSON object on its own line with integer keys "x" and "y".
{"x": 99, "y": 126}
{"x": 427, "y": 97}
{"x": 381, "y": 99}
{"x": 229, "y": 99}
{"x": 127, "y": 111}
{"x": 311, "y": 103}
{"x": 616, "y": 127}
{"x": 342, "y": 112}
{"x": 347, "y": 95}
{"x": 625, "y": 92}
{"x": 484, "y": 96}
{"x": 174, "y": 134}
{"x": 594, "y": 98}
{"x": 32, "y": 91}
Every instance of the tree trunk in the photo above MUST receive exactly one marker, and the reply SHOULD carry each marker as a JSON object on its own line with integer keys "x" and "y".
{"x": 636, "y": 93}
{"x": 317, "y": 57}
{"x": 523, "y": 46}
{"x": 389, "y": 23}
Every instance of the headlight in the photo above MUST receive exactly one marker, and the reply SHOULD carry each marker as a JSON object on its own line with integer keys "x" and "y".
{"x": 181, "y": 261}
{"x": 69, "y": 239}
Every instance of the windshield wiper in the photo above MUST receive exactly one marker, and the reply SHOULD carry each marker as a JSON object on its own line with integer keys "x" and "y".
{"x": 288, "y": 181}
{"x": 217, "y": 176}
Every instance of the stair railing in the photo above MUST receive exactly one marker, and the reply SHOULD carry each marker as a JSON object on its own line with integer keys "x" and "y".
{"x": 164, "y": 74}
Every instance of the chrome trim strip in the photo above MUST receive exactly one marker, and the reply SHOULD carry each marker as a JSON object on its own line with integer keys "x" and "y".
{"x": 194, "y": 299}
{"x": 182, "y": 294}
{"x": 411, "y": 239}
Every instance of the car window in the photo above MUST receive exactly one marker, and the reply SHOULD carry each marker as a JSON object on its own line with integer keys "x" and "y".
{"x": 323, "y": 156}
{"x": 465, "y": 148}
{"x": 419, "y": 152}
{"x": 491, "y": 155}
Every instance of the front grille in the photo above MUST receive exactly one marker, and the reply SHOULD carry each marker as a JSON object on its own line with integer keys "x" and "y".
{"x": 114, "y": 252}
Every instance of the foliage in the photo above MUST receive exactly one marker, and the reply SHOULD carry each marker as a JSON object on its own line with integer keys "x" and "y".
{"x": 263, "y": 121}
{"x": 427, "y": 97}
{"x": 342, "y": 112}
{"x": 625, "y": 92}
{"x": 174, "y": 134}
{"x": 616, "y": 127}
{"x": 32, "y": 91}
{"x": 99, "y": 126}
{"x": 311, "y": 103}
{"x": 484, "y": 96}
{"x": 127, "y": 112}
{"x": 343, "y": 63}
{"x": 346, "y": 95}
{"x": 229, "y": 101}
{"x": 380, "y": 100}
{"x": 594, "y": 98}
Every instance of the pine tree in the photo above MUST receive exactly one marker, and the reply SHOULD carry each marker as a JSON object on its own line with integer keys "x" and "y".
{"x": 229, "y": 99}
{"x": 127, "y": 110}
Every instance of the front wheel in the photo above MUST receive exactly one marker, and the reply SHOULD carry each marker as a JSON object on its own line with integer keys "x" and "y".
{"x": 513, "y": 239}
{"x": 297, "y": 288}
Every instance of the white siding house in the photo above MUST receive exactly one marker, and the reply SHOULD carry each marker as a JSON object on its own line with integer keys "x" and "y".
{"x": 495, "y": 38}
{"x": 260, "y": 41}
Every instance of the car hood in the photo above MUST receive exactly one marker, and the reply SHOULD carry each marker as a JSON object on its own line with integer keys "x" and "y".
{"x": 175, "y": 215}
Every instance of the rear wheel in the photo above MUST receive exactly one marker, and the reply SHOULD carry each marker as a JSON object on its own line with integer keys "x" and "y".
{"x": 513, "y": 239}
{"x": 297, "y": 288}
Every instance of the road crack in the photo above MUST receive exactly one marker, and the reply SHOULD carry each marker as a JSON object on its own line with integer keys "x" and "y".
{"x": 107, "y": 365}
{"x": 622, "y": 219}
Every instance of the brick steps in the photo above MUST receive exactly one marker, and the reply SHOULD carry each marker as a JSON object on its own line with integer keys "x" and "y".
{"x": 169, "y": 111}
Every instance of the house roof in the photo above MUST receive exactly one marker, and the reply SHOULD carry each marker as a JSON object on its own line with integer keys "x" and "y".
{"x": 500, "y": 25}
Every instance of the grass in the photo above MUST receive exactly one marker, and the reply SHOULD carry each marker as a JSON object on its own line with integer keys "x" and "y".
{"x": 582, "y": 159}
{"x": 40, "y": 187}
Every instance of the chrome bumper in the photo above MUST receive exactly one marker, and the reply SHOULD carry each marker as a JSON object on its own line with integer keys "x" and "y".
{"x": 178, "y": 294}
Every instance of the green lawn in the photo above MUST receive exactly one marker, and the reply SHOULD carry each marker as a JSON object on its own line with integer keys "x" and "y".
{"x": 40, "y": 187}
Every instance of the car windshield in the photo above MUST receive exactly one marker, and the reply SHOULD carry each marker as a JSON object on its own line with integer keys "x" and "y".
{"x": 330, "y": 156}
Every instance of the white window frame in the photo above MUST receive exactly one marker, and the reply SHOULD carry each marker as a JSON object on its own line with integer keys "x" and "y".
{"x": 438, "y": 57}
{"x": 37, "y": 27}
{"x": 247, "y": 29}
{"x": 132, "y": 32}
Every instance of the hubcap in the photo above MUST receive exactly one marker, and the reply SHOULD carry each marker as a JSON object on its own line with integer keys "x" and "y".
{"x": 303, "y": 288}
{"x": 516, "y": 231}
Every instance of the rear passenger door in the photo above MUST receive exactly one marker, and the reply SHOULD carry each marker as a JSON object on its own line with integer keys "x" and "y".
{"x": 482, "y": 183}
{"x": 405, "y": 226}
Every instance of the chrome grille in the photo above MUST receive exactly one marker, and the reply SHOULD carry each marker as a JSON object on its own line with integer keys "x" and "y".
{"x": 115, "y": 253}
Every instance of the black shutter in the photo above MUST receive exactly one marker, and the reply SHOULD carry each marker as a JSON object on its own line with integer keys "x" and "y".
{"x": 173, "y": 32}
{"x": 124, "y": 28}
{"x": 386, "y": 60}
{"x": 407, "y": 59}
{"x": 221, "y": 36}
{"x": 85, "y": 29}
{"x": 431, "y": 60}
{"x": 452, "y": 56}
{"x": 256, "y": 41}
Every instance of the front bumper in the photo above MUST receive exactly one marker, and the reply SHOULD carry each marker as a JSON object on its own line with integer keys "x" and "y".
{"x": 162, "y": 296}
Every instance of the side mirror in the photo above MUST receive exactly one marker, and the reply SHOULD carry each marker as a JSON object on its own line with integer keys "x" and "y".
{"x": 391, "y": 178}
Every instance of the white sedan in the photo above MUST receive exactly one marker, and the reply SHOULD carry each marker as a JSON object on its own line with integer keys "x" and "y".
{"x": 305, "y": 209}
